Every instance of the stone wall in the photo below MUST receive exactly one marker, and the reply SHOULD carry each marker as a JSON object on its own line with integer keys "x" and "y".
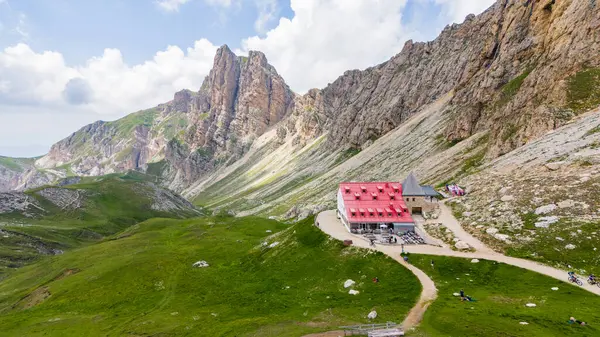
{"x": 427, "y": 204}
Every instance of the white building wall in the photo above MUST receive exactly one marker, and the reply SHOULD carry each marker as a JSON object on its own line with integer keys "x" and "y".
{"x": 341, "y": 208}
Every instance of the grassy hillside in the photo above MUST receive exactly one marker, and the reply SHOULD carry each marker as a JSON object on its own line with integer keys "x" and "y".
{"x": 63, "y": 218}
{"x": 16, "y": 164}
{"x": 501, "y": 292}
{"x": 142, "y": 283}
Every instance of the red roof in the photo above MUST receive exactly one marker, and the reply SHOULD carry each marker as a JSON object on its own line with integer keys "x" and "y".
{"x": 387, "y": 202}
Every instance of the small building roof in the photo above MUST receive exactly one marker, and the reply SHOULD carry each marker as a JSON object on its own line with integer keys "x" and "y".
{"x": 380, "y": 209}
{"x": 411, "y": 187}
{"x": 430, "y": 191}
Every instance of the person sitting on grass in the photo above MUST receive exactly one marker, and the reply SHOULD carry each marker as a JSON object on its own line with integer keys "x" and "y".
{"x": 573, "y": 320}
{"x": 462, "y": 295}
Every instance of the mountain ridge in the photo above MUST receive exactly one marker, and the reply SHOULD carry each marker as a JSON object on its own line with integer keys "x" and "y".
{"x": 496, "y": 67}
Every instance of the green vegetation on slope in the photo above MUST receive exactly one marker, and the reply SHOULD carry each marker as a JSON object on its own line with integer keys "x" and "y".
{"x": 142, "y": 283}
{"x": 584, "y": 90}
{"x": 549, "y": 246}
{"x": 108, "y": 205}
{"x": 345, "y": 155}
{"x": 501, "y": 292}
{"x": 15, "y": 164}
{"x": 510, "y": 89}
{"x": 471, "y": 163}
{"x": 126, "y": 124}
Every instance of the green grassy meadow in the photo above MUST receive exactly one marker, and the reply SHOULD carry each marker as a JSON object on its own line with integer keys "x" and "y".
{"x": 140, "y": 282}
{"x": 109, "y": 205}
{"x": 501, "y": 292}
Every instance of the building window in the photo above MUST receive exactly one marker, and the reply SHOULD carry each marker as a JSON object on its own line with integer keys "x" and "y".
{"x": 407, "y": 199}
{"x": 413, "y": 199}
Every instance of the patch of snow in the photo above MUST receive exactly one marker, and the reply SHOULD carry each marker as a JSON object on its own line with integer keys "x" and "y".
{"x": 523, "y": 323}
{"x": 555, "y": 288}
{"x": 531, "y": 305}
{"x": 570, "y": 246}
{"x": 274, "y": 244}
{"x": 559, "y": 238}
{"x": 269, "y": 231}
{"x": 545, "y": 209}
{"x": 372, "y": 314}
{"x": 200, "y": 264}
{"x": 353, "y": 292}
{"x": 349, "y": 283}
{"x": 474, "y": 261}
{"x": 456, "y": 294}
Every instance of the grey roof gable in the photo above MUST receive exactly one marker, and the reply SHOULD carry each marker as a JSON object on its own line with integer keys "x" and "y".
{"x": 411, "y": 187}
{"x": 430, "y": 191}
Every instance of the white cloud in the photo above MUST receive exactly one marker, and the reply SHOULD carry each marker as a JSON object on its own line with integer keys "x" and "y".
{"x": 322, "y": 40}
{"x": 171, "y": 5}
{"x": 111, "y": 86}
{"x": 220, "y": 3}
{"x": 21, "y": 28}
{"x": 327, "y": 37}
{"x": 267, "y": 10}
{"x": 457, "y": 10}
{"x": 39, "y": 89}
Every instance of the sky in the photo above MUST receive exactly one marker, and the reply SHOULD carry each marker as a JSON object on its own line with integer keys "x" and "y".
{"x": 67, "y": 63}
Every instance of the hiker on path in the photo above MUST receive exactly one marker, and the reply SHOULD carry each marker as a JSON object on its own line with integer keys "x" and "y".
{"x": 432, "y": 262}
{"x": 402, "y": 245}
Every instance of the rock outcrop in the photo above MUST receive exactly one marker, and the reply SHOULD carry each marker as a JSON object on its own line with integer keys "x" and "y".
{"x": 515, "y": 72}
{"x": 514, "y": 69}
{"x": 239, "y": 100}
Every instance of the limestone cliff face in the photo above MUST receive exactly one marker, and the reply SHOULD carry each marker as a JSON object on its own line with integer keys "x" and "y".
{"x": 534, "y": 74}
{"x": 239, "y": 100}
{"x": 518, "y": 70}
{"x": 514, "y": 69}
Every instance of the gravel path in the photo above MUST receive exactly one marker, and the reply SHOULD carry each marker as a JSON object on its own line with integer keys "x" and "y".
{"x": 329, "y": 224}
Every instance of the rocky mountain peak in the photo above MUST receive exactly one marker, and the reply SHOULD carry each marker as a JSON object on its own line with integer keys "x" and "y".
{"x": 241, "y": 98}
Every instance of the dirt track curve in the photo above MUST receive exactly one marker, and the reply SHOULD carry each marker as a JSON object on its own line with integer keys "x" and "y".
{"x": 332, "y": 226}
